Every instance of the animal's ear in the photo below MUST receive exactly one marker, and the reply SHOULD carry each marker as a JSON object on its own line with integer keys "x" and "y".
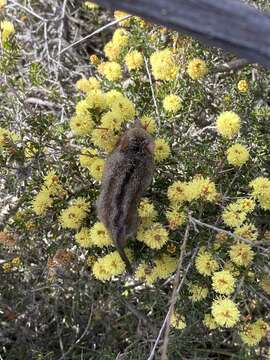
{"x": 123, "y": 142}
{"x": 137, "y": 123}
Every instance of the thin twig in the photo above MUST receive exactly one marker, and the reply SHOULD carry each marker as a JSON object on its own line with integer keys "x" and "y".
{"x": 152, "y": 90}
{"x": 177, "y": 288}
{"x": 236, "y": 237}
{"x": 232, "y": 65}
{"x": 28, "y": 10}
{"x": 95, "y": 32}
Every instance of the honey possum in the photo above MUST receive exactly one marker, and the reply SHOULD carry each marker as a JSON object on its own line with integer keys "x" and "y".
{"x": 127, "y": 174}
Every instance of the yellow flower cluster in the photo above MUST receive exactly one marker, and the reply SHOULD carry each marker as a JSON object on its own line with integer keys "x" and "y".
{"x": 163, "y": 65}
{"x": 118, "y": 15}
{"x": 83, "y": 237}
{"x": 261, "y": 191}
{"x": 6, "y": 30}
{"x": 197, "y": 69}
{"x": 197, "y": 188}
{"x": 228, "y": 124}
{"x": 241, "y": 254}
{"x": 247, "y": 231}
{"x": 90, "y": 5}
{"x": 162, "y": 150}
{"x": 134, "y": 60}
{"x": 178, "y": 321}
{"x": 109, "y": 266}
{"x": 253, "y": 333}
{"x": 242, "y": 86}
{"x": 162, "y": 268}
{"x": 205, "y": 263}
{"x": 225, "y": 312}
{"x": 113, "y": 48}
{"x": 223, "y": 282}
{"x": 175, "y": 218}
{"x": 237, "y": 155}
{"x": 82, "y": 124}
{"x": 146, "y": 212}
{"x": 154, "y": 237}
{"x": 87, "y": 157}
{"x": 234, "y": 215}
{"x": 12, "y": 265}
{"x": 210, "y": 322}
{"x": 51, "y": 188}
{"x": 172, "y": 103}
{"x": 112, "y": 70}
{"x": 73, "y": 216}
{"x": 6, "y": 136}
{"x": 100, "y": 236}
{"x": 96, "y": 169}
{"x": 197, "y": 292}
{"x": 87, "y": 85}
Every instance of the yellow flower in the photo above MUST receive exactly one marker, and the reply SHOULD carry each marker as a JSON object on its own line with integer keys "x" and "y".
{"x": 7, "y": 267}
{"x": 247, "y": 231}
{"x": 90, "y": 5}
{"x": 120, "y": 37}
{"x": 94, "y": 59}
{"x": 237, "y": 155}
{"x": 96, "y": 168}
{"x": 175, "y": 218}
{"x": 205, "y": 263}
{"x": 178, "y": 321}
{"x": 201, "y": 187}
{"x": 242, "y": 86}
{"x": 177, "y": 192}
{"x": 7, "y": 29}
{"x": 149, "y": 124}
{"x": 261, "y": 191}
{"x": 134, "y": 60}
{"x": 100, "y": 236}
{"x": 210, "y": 322}
{"x": 197, "y": 69}
{"x": 82, "y": 108}
{"x": 241, "y": 254}
{"x": 228, "y": 124}
{"x": 108, "y": 266}
{"x": 147, "y": 210}
{"x": 154, "y": 237}
{"x": 96, "y": 99}
{"x": 42, "y": 201}
{"x": 112, "y": 71}
{"x": 225, "y": 312}
{"x": 172, "y": 103}
{"x": 223, "y": 282}
{"x": 253, "y": 333}
{"x": 81, "y": 124}
{"x": 162, "y": 150}
{"x": 112, "y": 51}
{"x": 87, "y": 157}
{"x": 246, "y": 204}
{"x": 197, "y": 292}
{"x": 16, "y": 261}
{"x": 265, "y": 284}
{"x": 118, "y": 15}
{"x": 87, "y": 85}
{"x": 111, "y": 120}
{"x": 2, "y": 3}
{"x": 104, "y": 139}
{"x": 146, "y": 273}
{"x": 73, "y": 216}
{"x": 124, "y": 108}
{"x": 163, "y": 65}
{"x": 112, "y": 96}
{"x": 83, "y": 237}
{"x": 165, "y": 265}
{"x": 233, "y": 215}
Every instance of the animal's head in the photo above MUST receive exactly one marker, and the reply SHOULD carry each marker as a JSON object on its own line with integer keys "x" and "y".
{"x": 137, "y": 139}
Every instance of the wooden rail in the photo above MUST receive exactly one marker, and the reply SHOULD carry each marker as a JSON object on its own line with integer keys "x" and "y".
{"x": 229, "y": 24}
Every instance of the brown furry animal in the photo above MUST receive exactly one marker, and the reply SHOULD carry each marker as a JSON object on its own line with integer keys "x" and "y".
{"x": 128, "y": 172}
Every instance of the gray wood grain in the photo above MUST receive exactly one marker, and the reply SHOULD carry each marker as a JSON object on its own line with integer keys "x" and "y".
{"x": 229, "y": 24}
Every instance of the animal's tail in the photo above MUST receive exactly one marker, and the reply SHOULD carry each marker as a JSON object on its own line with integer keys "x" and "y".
{"x": 125, "y": 259}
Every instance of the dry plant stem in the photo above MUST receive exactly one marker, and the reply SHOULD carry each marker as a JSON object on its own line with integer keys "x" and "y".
{"x": 152, "y": 90}
{"x": 177, "y": 286}
{"x": 232, "y": 65}
{"x": 28, "y": 10}
{"x": 80, "y": 338}
{"x": 94, "y": 33}
{"x": 174, "y": 294}
{"x": 252, "y": 243}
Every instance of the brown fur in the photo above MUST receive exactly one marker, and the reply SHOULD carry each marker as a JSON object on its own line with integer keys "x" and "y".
{"x": 128, "y": 172}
